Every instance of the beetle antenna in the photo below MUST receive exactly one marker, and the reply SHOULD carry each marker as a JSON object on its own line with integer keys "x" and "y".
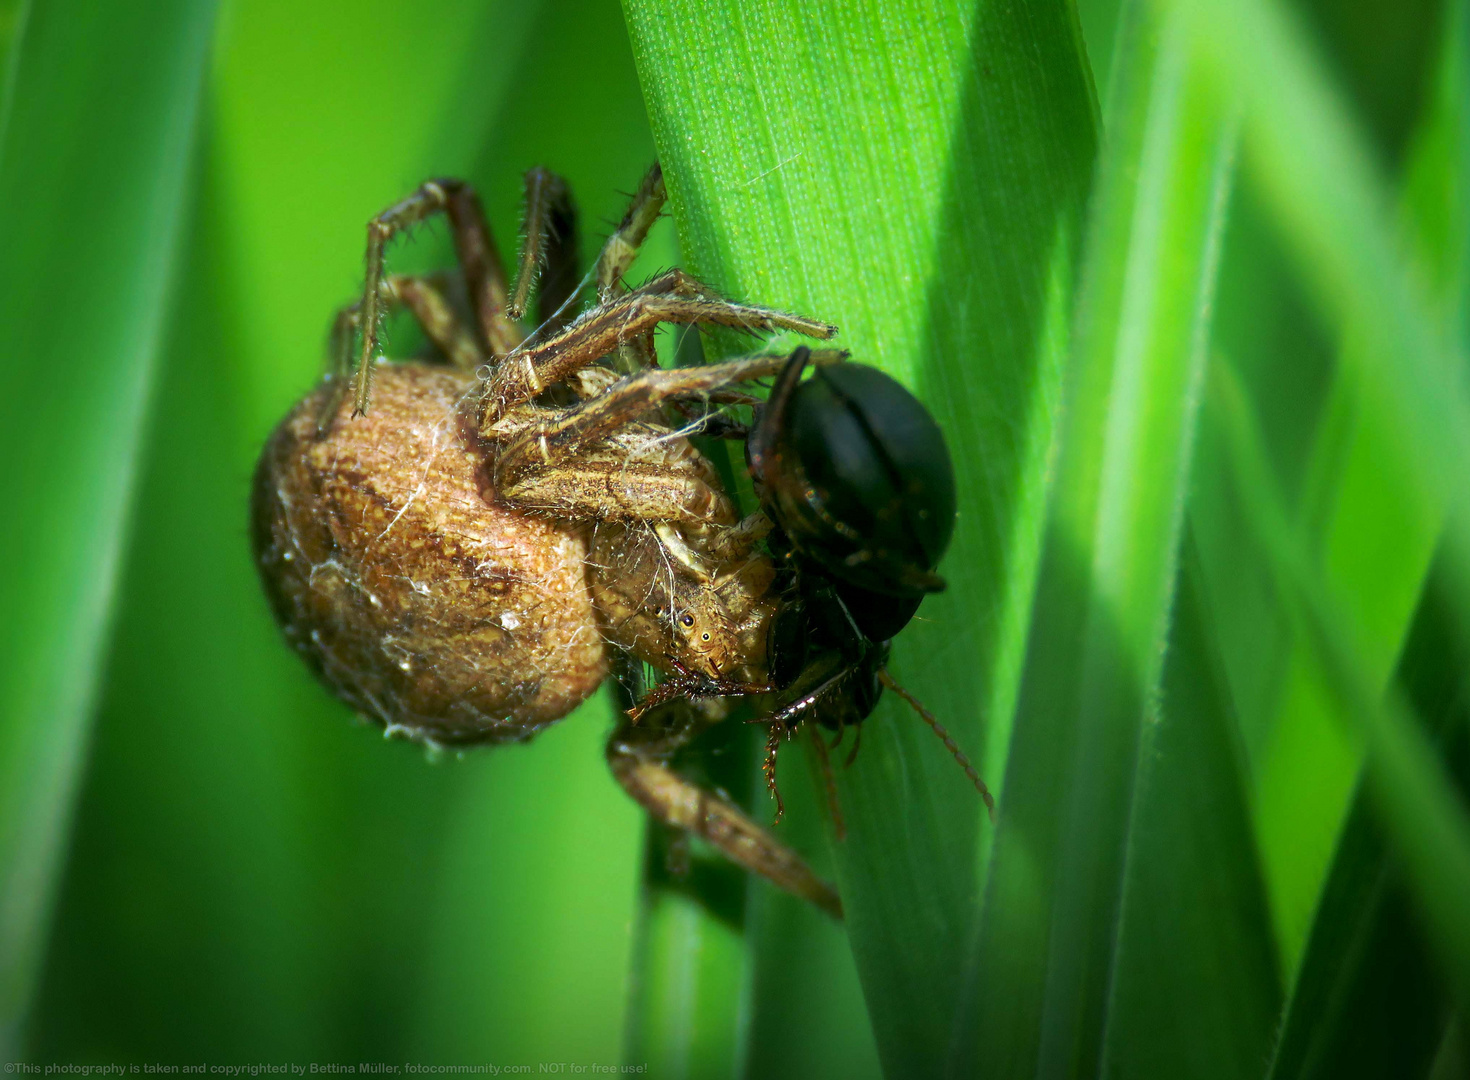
{"x": 839, "y": 826}
{"x": 944, "y": 737}
{"x": 857, "y": 740}
{"x": 841, "y": 731}
{"x": 773, "y": 744}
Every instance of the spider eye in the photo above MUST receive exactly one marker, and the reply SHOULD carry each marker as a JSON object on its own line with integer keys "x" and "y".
{"x": 704, "y": 637}
{"x": 687, "y": 620}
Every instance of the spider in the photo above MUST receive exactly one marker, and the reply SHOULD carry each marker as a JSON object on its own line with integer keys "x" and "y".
{"x": 463, "y": 550}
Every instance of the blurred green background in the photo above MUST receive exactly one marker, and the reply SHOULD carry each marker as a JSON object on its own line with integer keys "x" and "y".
{"x": 1185, "y": 281}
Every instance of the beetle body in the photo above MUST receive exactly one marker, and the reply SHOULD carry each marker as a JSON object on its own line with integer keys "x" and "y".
{"x": 856, "y": 477}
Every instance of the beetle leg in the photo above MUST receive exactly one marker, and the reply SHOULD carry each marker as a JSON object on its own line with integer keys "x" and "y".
{"x": 822, "y": 677}
{"x": 768, "y": 767}
{"x": 673, "y": 297}
{"x": 637, "y": 759}
{"x": 479, "y": 259}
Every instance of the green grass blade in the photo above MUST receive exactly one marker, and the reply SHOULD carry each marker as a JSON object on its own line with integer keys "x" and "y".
{"x": 915, "y": 176}
{"x": 684, "y": 1019}
{"x": 1368, "y": 1000}
{"x": 1374, "y": 535}
{"x": 807, "y": 1017}
{"x": 93, "y": 185}
{"x": 12, "y": 29}
{"x": 1042, "y": 973}
{"x": 1196, "y": 991}
{"x": 1331, "y": 204}
{"x": 1414, "y": 797}
{"x": 257, "y": 874}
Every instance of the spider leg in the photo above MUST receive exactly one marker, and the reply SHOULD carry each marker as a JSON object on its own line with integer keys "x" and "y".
{"x": 571, "y": 430}
{"x": 479, "y": 259}
{"x": 423, "y": 296}
{"x": 622, "y": 246}
{"x": 673, "y": 297}
{"x": 637, "y": 757}
{"x": 737, "y": 542}
{"x": 685, "y": 685}
{"x": 668, "y": 486}
{"x": 617, "y": 256}
{"x": 597, "y": 460}
{"x": 548, "y": 248}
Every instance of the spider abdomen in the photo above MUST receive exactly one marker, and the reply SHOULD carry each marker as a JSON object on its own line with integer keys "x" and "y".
{"x": 417, "y": 600}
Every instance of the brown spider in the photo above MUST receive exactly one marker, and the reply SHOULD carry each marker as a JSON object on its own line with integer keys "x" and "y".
{"x": 462, "y": 550}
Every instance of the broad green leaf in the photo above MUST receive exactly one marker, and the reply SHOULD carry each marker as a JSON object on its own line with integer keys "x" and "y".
{"x": 1041, "y": 976}
{"x": 916, "y": 175}
{"x": 93, "y": 187}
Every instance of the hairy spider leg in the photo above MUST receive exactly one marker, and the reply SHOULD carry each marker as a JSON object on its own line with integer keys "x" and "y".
{"x": 596, "y": 459}
{"x": 637, "y": 757}
{"x": 424, "y": 297}
{"x": 548, "y": 248}
{"x": 623, "y": 245}
{"x": 564, "y": 433}
{"x": 479, "y": 260}
{"x": 617, "y": 256}
{"x": 672, "y": 297}
{"x": 687, "y": 686}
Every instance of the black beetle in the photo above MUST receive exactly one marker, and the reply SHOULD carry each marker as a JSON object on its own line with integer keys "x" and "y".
{"x": 857, "y": 479}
